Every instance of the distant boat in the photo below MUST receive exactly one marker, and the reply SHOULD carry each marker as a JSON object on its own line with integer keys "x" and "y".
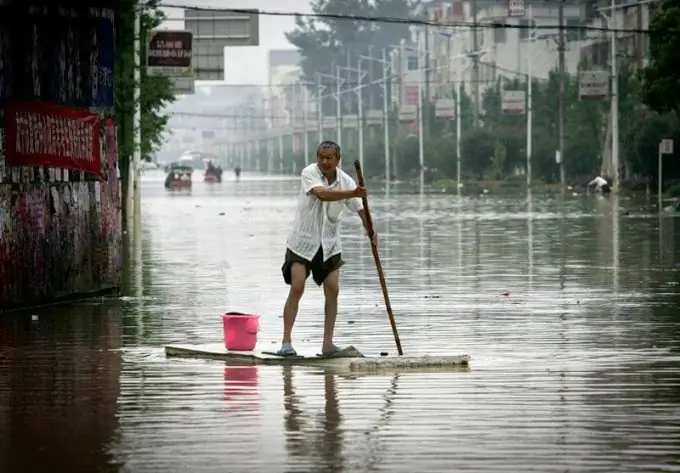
{"x": 179, "y": 177}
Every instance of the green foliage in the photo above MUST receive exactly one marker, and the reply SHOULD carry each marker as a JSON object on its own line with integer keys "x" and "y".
{"x": 155, "y": 92}
{"x": 661, "y": 78}
{"x": 498, "y": 148}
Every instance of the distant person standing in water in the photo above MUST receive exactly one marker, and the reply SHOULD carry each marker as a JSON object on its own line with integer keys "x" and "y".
{"x": 237, "y": 172}
{"x": 600, "y": 184}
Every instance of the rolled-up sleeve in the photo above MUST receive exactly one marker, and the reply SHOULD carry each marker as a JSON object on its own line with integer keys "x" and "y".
{"x": 354, "y": 204}
{"x": 311, "y": 178}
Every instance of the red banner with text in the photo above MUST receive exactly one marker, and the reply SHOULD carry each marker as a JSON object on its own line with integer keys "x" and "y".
{"x": 48, "y": 135}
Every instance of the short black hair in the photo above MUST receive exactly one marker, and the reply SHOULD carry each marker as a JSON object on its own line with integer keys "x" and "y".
{"x": 328, "y": 144}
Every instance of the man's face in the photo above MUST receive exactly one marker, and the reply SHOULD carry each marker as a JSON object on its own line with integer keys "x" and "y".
{"x": 327, "y": 160}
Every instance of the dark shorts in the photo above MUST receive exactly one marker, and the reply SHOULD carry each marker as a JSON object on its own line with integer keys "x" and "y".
{"x": 319, "y": 268}
{"x": 605, "y": 189}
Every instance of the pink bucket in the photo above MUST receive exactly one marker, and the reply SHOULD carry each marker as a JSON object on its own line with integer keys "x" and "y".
{"x": 240, "y": 331}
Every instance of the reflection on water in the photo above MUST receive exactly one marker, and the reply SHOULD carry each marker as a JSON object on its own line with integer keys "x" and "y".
{"x": 567, "y": 306}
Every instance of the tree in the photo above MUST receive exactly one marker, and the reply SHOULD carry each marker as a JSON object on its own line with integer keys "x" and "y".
{"x": 325, "y": 43}
{"x": 156, "y": 91}
{"x": 661, "y": 78}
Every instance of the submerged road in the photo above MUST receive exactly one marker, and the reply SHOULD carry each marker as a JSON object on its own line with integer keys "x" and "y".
{"x": 570, "y": 316}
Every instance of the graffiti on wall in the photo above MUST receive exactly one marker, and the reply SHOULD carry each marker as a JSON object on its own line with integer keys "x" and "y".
{"x": 58, "y": 240}
{"x": 57, "y": 237}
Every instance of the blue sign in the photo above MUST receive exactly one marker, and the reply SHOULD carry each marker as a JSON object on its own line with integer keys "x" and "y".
{"x": 105, "y": 44}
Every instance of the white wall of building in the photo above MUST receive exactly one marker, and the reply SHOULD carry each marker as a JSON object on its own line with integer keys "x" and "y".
{"x": 506, "y": 50}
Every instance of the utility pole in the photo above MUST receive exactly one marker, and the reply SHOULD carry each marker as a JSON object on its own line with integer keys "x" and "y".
{"x": 561, "y": 47}
{"x": 426, "y": 53}
{"x": 475, "y": 62}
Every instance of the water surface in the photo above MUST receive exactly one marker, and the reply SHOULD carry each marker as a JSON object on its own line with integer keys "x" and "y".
{"x": 568, "y": 310}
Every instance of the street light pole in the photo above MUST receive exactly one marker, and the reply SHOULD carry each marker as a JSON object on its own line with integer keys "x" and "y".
{"x": 305, "y": 105}
{"x": 530, "y": 108}
{"x": 386, "y": 119}
{"x": 421, "y": 145}
{"x": 458, "y": 134}
{"x": 386, "y": 123}
{"x": 615, "y": 105}
{"x": 360, "y": 104}
{"x": 338, "y": 113}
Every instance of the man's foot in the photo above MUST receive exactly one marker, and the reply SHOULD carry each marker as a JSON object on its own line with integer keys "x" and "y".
{"x": 333, "y": 350}
{"x": 286, "y": 350}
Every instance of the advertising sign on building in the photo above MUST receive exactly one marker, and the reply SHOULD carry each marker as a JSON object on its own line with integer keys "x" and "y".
{"x": 411, "y": 94}
{"x": 374, "y": 117}
{"x": 445, "y": 108}
{"x": 350, "y": 121}
{"x": 457, "y": 11}
{"x": 329, "y": 123}
{"x": 515, "y": 8}
{"x": 408, "y": 113}
{"x": 169, "y": 53}
{"x": 593, "y": 85}
{"x": 513, "y": 102}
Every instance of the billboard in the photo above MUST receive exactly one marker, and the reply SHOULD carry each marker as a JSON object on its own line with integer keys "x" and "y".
{"x": 169, "y": 53}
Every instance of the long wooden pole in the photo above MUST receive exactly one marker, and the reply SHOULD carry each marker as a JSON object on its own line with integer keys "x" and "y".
{"x": 376, "y": 257}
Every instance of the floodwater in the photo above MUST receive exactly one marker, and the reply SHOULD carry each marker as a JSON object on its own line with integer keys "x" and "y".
{"x": 570, "y": 314}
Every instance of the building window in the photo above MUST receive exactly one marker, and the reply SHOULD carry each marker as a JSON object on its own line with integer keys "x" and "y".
{"x": 525, "y": 28}
{"x": 412, "y": 63}
{"x": 572, "y": 33}
{"x": 500, "y": 34}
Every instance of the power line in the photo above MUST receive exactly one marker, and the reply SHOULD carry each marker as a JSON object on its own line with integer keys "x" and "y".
{"x": 346, "y": 85}
{"x": 409, "y": 21}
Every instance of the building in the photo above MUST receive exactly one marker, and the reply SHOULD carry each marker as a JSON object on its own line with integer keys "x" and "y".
{"x": 505, "y": 52}
{"x": 405, "y": 68}
{"x": 215, "y": 114}
{"x": 283, "y": 73}
{"x": 632, "y": 46}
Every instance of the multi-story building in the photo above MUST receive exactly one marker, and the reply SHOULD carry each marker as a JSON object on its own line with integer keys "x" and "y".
{"x": 404, "y": 67}
{"x": 503, "y": 50}
{"x": 631, "y": 45}
{"x": 283, "y": 66}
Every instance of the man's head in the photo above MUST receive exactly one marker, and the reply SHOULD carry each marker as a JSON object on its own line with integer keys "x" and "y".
{"x": 328, "y": 157}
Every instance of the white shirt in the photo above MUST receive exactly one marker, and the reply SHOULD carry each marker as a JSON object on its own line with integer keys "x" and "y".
{"x": 598, "y": 182}
{"x": 317, "y": 223}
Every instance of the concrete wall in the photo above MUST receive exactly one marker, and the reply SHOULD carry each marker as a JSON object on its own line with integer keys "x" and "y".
{"x": 60, "y": 230}
{"x": 58, "y": 240}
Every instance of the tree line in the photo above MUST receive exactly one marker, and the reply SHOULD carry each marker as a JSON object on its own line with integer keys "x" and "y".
{"x": 649, "y": 101}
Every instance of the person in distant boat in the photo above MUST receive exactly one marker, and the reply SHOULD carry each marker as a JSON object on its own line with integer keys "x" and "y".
{"x": 600, "y": 184}
{"x": 313, "y": 245}
{"x": 214, "y": 171}
{"x": 237, "y": 171}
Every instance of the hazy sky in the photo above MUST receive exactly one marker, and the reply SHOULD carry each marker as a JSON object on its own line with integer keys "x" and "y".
{"x": 248, "y": 65}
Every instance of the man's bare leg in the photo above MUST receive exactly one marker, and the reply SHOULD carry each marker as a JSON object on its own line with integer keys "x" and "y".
{"x": 298, "y": 276}
{"x": 331, "y": 289}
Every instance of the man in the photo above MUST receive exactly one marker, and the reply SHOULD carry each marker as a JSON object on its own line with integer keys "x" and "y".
{"x": 600, "y": 184}
{"x": 313, "y": 245}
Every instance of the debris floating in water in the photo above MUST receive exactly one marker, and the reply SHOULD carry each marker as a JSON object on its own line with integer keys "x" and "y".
{"x": 410, "y": 362}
